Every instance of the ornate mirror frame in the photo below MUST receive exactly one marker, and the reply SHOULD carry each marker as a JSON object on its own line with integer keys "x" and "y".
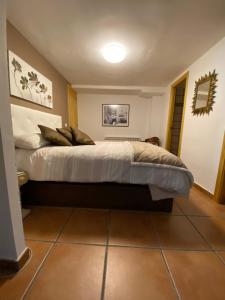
{"x": 212, "y": 78}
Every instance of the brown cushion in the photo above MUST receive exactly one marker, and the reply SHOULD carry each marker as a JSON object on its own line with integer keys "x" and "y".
{"x": 153, "y": 140}
{"x": 67, "y": 133}
{"x": 81, "y": 137}
{"x": 53, "y": 136}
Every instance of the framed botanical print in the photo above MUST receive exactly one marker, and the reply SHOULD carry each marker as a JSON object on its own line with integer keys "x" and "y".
{"x": 27, "y": 83}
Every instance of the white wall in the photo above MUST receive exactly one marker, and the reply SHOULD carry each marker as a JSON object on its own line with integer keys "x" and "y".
{"x": 158, "y": 117}
{"x": 145, "y": 115}
{"x": 203, "y": 135}
{"x": 11, "y": 229}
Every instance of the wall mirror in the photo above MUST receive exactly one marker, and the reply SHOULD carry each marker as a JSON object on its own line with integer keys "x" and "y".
{"x": 204, "y": 94}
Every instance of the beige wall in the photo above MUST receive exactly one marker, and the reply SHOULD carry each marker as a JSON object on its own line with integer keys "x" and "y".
{"x": 20, "y": 46}
{"x": 145, "y": 120}
{"x": 203, "y": 135}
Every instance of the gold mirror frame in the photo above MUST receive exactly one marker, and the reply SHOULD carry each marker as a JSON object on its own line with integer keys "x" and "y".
{"x": 212, "y": 78}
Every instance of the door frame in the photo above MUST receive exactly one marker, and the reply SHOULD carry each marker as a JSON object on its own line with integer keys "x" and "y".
{"x": 72, "y": 106}
{"x": 171, "y": 111}
{"x": 220, "y": 181}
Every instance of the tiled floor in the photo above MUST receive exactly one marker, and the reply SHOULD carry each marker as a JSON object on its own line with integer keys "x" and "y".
{"x": 83, "y": 254}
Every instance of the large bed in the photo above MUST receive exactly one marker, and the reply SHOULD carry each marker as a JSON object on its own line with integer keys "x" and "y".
{"x": 103, "y": 175}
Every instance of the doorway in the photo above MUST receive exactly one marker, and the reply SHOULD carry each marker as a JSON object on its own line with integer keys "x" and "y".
{"x": 72, "y": 107}
{"x": 176, "y": 115}
{"x": 219, "y": 193}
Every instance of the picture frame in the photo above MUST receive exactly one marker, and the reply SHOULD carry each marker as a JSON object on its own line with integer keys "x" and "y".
{"x": 115, "y": 115}
{"x": 204, "y": 94}
{"x": 27, "y": 83}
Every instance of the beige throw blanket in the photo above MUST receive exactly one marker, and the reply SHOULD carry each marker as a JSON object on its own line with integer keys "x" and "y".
{"x": 148, "y": 153}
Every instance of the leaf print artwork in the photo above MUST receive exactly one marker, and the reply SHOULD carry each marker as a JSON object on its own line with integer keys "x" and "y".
{"x": 27, "y": 83}
{"x": 17, "y": 68}
{"x": 43, "y": 88}
{"x": 49, "y": 99}
{"x": 33, "y": 78}
{"x": 24, "y": 82}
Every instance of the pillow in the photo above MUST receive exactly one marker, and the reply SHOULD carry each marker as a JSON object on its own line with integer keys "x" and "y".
{"x": 67, "y": 133}
{"x": 153, "y": 140}
{"x": 30, "y": 141}
{"x": 81, "y": 138}
{"x": 53, "y": 136}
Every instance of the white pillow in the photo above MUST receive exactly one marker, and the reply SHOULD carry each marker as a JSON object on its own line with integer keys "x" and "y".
{"x": 30, "y": 141}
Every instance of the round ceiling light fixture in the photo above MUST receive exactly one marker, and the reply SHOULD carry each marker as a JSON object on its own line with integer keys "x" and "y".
{"x": 114, "y": 53}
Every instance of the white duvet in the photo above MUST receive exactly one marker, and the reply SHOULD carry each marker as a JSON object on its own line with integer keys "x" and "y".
{"x": 103, "y": 162}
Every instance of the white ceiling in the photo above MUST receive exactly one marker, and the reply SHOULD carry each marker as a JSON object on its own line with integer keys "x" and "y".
{"x": 163, "y": 37}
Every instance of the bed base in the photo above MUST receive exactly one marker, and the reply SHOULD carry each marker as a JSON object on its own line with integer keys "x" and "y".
{"x": 92, "y": 195}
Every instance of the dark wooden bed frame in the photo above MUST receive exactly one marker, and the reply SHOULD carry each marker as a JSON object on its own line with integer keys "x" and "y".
{"x": 92, "y": 195}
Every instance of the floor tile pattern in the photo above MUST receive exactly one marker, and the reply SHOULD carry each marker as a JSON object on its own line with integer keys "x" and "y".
{"x": 123, "y": 255}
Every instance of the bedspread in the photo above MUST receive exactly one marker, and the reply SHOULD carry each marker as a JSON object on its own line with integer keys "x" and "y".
{"x": 103, "y": 162}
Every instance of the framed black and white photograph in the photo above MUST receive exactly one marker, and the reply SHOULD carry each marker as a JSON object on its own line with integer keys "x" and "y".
{"x": 115, "y": 115}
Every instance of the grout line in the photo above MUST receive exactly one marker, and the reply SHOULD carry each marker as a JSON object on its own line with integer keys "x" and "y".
{"x": 202, "y": 236}
{"x": 107, "y": 246}
{"x": 157, "y": 234}
{"x": 104, "y": 274}
{"x": 220, "y": 257}
{"x": 198, "y": 216}
{"x": 57, "y": 236}
{"x": 37, "y": 272}
{"x": 46, "y": 256}
{"x": 212, "y": 249}
{"x": 126, "y": 246}
{"x": 171, "y": 275}
{"x": 165, "y": 261}
{"x": 81, "y": 243}
{"x": 180, "y": 208}
{"x": 64, "y": 225}
{"x": 106, "y": 258}
{"x": 41, "y": 241}
{"x": 134, "y": 246}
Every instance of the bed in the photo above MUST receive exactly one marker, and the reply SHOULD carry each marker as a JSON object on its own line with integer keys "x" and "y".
{"x": 104, "y": 175}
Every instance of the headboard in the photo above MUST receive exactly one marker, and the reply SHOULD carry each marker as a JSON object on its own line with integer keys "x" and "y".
{"x": 25, "y": 120}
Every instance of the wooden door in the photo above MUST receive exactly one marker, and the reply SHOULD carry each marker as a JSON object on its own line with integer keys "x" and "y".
{"x": 72, "y": 107}
{"x": 176, "y": 115}
{"x": 177, "y": 118}
{"x": 219, "y": 194}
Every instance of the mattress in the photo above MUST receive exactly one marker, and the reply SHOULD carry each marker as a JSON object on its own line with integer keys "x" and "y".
{"x": 103, "y": 162}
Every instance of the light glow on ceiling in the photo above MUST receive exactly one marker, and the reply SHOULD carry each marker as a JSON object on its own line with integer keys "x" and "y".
{"x": 114, "y": 53}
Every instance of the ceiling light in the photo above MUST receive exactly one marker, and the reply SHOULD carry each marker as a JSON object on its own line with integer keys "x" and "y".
{"x": 114, "y": 53}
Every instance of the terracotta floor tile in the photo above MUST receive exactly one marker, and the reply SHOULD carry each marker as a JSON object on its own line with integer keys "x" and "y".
{"x": 222, "y": 255}
{"x": 176, "y": 211}
{"x": 134, "y": 274}
{"x": 86, "y": 226}
{"x": 70, "y": 272}
{"x": 198, "y": 275}
{"x": 177, "y": 232}
{"x": 213, "y": 230}
{"x": 132, "y": 229}
{"x": 200, "y": 204}
{"x": 45, "y": 223}
{"x": 190, "y": 207}
{"x": 13, "y": 288}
